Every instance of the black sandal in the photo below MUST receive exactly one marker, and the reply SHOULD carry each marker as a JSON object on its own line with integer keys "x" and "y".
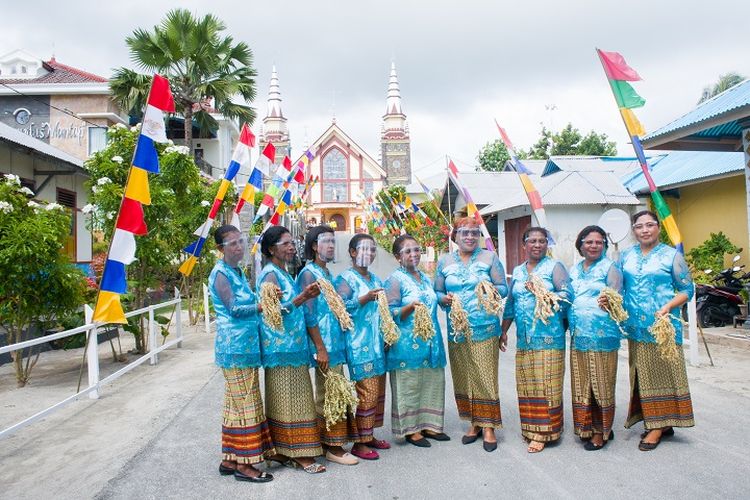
{"x": 468, "y": 438}
{"x": 421, "y": 442}
{"x": 437, "y": 436}
{"x": 263, "y": 477}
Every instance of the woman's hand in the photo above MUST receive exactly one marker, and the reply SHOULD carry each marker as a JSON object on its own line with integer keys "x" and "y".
{"x": 370, "y": 296}
{"x": 503, "y": 342}
{"x": 662, "y": 311}
{"x": 603, "y": 302}
{"x": 322, "y": 358}
{"x": 311, "y": 291}
{"x": 447, "y": 299}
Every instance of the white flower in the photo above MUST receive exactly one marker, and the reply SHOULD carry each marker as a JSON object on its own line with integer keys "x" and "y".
{"x": 94, "y": 189}
{"x": 103, "y": 181}
{"x": 117, "y": 159}
{"x": 205, "y": 203}
{"x": 170, "y": 142}
{"x": 33, "y": 204}
{"x": 183, "y": 150}
{"x": 136, "y": 128}
{"x": 87, "y": 209}
{"x": 13, "y": 179}
{"x": 53, "y": 206}
{"x": 119, "y": 125}
{"x": 6, "y": 207}
{"x": 110, "y": 215}
{"x": 27, "y": 191}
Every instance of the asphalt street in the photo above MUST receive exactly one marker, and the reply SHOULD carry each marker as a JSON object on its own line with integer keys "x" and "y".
{"x": 710, "y": 460}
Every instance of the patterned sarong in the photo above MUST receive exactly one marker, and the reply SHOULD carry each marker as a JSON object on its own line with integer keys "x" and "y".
{"x": 417, "y": 400}
{"x": 474, "y": 371}
{"x": 371, "y": 407}
{"x": 659, "y": 392}
{"x": 342, "y": 432}
{"x": 539, "y": 382}
{"x": 290, "y": 409}
{"x": 592, "y": 379}
{"x": 245, "y": 437}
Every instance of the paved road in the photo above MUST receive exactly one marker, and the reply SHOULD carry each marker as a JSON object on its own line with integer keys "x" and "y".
{"x": 708, "y": 461}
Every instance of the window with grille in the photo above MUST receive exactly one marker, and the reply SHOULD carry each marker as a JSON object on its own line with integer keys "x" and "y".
{"x": 335, "y": 181}
{"x": 68, "y": 200}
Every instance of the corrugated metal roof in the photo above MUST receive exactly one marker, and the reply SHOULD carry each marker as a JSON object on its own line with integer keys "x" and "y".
{"x": 686, "y": 167}
{"x": 729, "y": 100}
{"x": 12, "y": 135}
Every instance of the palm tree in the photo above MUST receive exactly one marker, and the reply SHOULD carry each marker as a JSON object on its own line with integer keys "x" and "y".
{"x": 725, "y": 82}
{"x": 200, "y": 65}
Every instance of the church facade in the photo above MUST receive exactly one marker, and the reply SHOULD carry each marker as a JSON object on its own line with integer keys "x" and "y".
{"x": 347, "y": 174}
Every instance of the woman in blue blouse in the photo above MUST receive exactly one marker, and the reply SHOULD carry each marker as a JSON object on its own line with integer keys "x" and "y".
{"x": 365, "y": 350}
{"x": 595, "y": 339}
{"x": 540, "y": 347}
{"x": 474, "y": 362}
{"x": 416, "y": 366}
{"x": 320, "y": 248}
{"x": 290, "y": 406}
{"x": 656, "y": 281}
{"x": 245, "y": 439}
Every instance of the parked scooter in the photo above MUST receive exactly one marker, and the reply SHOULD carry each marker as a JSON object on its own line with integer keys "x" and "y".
{"x": 717, "y": 304}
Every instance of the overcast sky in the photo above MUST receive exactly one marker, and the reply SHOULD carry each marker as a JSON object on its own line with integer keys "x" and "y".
{"x": 460, "y": 64}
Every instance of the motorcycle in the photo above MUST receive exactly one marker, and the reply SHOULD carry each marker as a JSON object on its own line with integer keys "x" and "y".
{"x": 717, "y": 304}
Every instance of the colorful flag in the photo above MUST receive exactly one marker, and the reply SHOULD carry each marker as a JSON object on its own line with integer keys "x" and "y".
{"x": 471, "y": 208}
{"x": 619, "y": 73}
{"x": 131, "y": 218}
{"x": 240, "y": 158}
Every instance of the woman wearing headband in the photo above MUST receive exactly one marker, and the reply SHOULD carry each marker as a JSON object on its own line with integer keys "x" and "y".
{"x": 245, "y": 439}
{"x": 595, "y": 339}
{"x": 540, "y": 342}
{"x": 473, "y": 360}
{"x": 290, "y": 405}
{"x": 365, "y": 351}
{"x": 320, "y": 248}
{"x": 416, "y": 363}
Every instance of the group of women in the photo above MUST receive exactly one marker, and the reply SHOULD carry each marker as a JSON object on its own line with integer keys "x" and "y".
{"x": 652, "y": 278}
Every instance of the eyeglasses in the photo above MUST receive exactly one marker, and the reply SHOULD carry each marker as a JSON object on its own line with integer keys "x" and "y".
{"x": 326, "y": 241}
{"x": 468, "y": 233}
{"x": 647, "y": 225}
{"x": 286, "y": 243}
{"x": 241, "y": 241}
{"x": 539, "y": 241}
{"x": 592, "y": 242}
{"x": 411, "y": 250}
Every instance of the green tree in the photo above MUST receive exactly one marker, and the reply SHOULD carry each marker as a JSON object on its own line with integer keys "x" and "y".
{"x": 180, "y": 201}
{"x": 200, "y": 65}
{"x": 492, "y": 157}
{"x": 710, "y": 255}
{"x": 725, "y": 82}
{"x": 569, "y": 141}
{"x": 39, "y": 284}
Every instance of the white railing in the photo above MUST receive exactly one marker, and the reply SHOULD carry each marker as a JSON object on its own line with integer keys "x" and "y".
{"x": 92, "y": 354}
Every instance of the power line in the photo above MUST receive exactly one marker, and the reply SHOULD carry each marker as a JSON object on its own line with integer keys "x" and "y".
{"x": 65, "y": 111}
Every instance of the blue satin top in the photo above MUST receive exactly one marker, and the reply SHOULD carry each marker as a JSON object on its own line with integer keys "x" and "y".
{"x": 535, "y": 335}
{"x": 237, "y": 342}
{"x": 591, "y": 328}
{"x": 410, "y": 352}
{"x": 649, "y": 282}
{"x": 365, "y": 352}
{"x": 318, "y": 313}
{"x": 453, "y": 276}
{"x": 288, "y": 347}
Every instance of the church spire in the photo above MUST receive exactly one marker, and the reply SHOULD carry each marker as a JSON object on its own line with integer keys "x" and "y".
{"x": 274, "y": 129}
{"x": 274, "y": 97}
{"x": 394, "y": 136}
{"x": 393, "y": 102}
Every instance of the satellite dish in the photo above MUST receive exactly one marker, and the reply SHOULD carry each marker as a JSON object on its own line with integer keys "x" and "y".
{"x": 616, "y": 223}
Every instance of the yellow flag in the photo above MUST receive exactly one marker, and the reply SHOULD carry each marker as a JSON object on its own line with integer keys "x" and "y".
{"x": 108, "y": 308}
{"x": 222, "y": 189}
{"x": 631, "y": 123}
{"x": 137, "y": 188}
{"x": 187, "y": 267}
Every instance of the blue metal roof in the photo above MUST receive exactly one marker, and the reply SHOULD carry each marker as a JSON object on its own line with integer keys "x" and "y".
{"x": 730, "y": 100}
{"x": 685, "y": 167}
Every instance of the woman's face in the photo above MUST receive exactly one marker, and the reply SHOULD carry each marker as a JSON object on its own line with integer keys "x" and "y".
{"x": 325, "y": 247}
{"x": 593, "y": 246}
{"x": 467, "y": 238}
{"x": 284, "y": 248}
{"x": 410, "y": 254}
{"x": 535, "y": 246}
{"x": 233, "y": 247}
{"x": 364, "y": 254}
{"x": 646, "y": 230}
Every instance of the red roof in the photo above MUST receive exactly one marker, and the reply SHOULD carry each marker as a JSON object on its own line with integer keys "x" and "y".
{"x": 59, "y": 73}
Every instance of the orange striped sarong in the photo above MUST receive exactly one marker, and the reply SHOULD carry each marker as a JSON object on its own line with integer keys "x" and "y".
{"x": 474, "y": 372}
{"x": 539, "y": 382}
{"x": 245, "y": 437}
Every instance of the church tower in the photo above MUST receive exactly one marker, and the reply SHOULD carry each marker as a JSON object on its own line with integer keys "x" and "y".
{"x": 394, "y": 137}
{"x": 274, "y": 128}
